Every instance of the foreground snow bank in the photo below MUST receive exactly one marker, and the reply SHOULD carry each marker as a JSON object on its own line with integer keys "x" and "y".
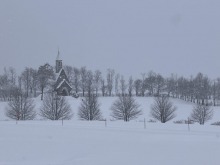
{"x": 91, "y": 143}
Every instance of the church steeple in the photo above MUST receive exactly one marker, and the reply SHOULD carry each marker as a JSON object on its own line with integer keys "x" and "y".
{"x": 58, "y": 55}
{"x": 58, "y": 62}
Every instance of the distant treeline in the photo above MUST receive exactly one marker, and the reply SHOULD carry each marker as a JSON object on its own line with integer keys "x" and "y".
{"x": 32, "y": 82}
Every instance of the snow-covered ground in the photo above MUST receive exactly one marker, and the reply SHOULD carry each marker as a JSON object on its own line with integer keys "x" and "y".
{"x": 92, "y": 143}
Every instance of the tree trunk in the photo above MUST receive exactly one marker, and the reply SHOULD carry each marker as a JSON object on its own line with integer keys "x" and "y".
{"x": 42, "y": 93}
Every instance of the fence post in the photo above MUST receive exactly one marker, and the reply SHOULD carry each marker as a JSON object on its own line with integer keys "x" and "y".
{"x": 144, "y": 123}
{"x": 188, "y": 124}
{"x": 105, "y": 122}
{"x": 62, "y": 121}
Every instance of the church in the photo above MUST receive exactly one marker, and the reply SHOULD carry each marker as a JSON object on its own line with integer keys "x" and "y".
{"x": 62, "y": 85}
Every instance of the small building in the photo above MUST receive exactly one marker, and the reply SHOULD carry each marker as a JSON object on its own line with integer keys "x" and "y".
{"x": 62, "y": 85}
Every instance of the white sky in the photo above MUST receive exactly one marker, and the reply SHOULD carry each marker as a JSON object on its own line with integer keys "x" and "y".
{"x": 130, "y": 36}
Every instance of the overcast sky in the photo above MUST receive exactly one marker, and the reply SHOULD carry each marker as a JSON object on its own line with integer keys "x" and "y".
{"x": 130, "y": 36}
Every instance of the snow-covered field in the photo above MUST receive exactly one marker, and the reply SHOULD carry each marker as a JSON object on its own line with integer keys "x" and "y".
{"x": 92, "y": 143}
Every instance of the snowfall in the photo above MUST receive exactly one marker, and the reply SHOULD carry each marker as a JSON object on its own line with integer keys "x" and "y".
{"x": 75, "y": 142}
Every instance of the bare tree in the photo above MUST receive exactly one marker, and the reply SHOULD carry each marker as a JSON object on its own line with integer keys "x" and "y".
{"x": 110, "y": 78}
{"x": 117, "y": 76}
{"x": 83, "y": 76}
{"x": 90, "y": 108}
{"x": 21, "y": 107}
{"x": 55, "y": 107}
{"x": 217, "y": 88}
{"x": 76, "y": 79}
{"x": 150, "y": 82}
{"x": 130, "y": 86}
{"x": 97, "y": 81}
{"x": 123, "y": 86}
{"x": 159, "y": 84}
{"x": 202, "y": 88}
{"x": 45, "y": 74}
{"x": 163, "y": 109}
{"x": 7, "y": 83}
{"x": 137, "y": 86}
{"x": 103, "y": 87}
{"x": 4, "y": 86}
{"x": 182, "y": 87}
{"x": 12, "y": 76}
{"x": 143, "y": 84}
{"x": 33, "y": 83}
{"x": 214, "y": 92}
{"x": 125, "y": 108}
{"x": 29, "y": 81}
{"x": 26, "y": 80}
{"x": 89, "y": 84}
{"x": 171, "y": 85}
{"x": 201, "y": 114}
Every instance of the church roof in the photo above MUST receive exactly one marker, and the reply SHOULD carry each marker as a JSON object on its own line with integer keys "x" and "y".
{"x": 64, "y": 80}
{"x": 58, "y": 74}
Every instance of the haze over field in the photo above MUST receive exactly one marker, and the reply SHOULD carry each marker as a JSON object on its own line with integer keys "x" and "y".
{"x": 119, "y": 39}
{"x": 169, "y": 36}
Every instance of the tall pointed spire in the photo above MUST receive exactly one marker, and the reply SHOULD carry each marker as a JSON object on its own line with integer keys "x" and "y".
{"x": 58, "y": 62}
{"x": 58, "y": 54}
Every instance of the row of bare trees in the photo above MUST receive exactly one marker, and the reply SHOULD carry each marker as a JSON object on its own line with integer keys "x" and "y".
{"x": 163, "y": 110}
{"x": 57, "y": 107}
{"x": 124, "y": 108}
{"x": 199, "y": 89}
{"x": 30, "y": 81}
{"x": 53, "y": 107}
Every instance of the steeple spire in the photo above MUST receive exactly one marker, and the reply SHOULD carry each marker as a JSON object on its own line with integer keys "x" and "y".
{"x": 58, "y": 62}
{"x": 58, "y": 54}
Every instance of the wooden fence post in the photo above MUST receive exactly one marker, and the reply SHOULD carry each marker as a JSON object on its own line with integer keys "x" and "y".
{"x": 144, "y": 123}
